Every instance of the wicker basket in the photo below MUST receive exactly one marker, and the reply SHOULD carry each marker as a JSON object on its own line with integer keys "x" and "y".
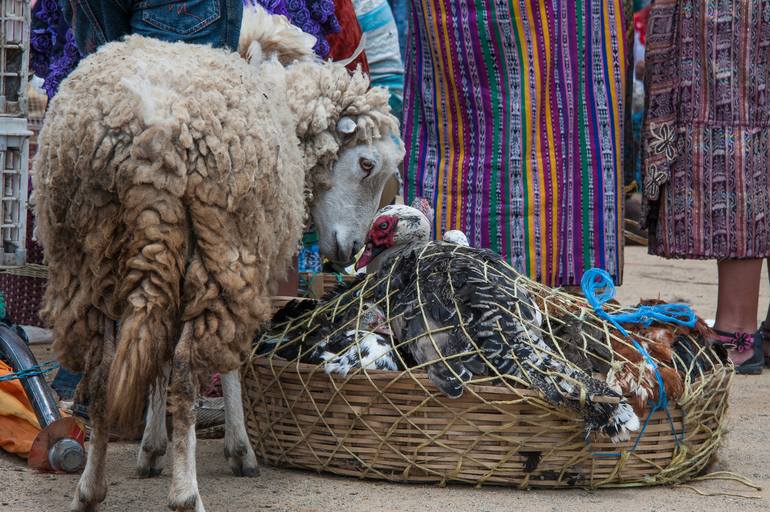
{"x": 379, "y": 425}
{"x": 397, "y": 426}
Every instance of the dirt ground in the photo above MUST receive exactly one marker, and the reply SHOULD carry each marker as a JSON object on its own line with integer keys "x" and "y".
{"x": 746, "y": 451}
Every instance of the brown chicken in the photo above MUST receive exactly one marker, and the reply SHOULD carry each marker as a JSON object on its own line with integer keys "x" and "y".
{"x": 674, "y": 348}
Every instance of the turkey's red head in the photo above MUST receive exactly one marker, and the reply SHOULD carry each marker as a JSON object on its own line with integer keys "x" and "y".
{"x": 381, "y": 236}
{"x": 395, "y": 227}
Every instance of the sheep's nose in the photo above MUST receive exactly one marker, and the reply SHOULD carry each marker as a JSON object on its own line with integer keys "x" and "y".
{"x": 356, "y": 248}
{"x": 345, "y": 253}
{"x": 339, "y": 251}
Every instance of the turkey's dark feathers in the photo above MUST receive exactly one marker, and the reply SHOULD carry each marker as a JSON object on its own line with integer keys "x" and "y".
{"x": 578, "y": 340}
{"x": 494, "y": 326}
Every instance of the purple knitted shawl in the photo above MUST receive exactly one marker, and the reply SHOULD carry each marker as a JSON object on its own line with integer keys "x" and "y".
{"x": 54, "y": 54}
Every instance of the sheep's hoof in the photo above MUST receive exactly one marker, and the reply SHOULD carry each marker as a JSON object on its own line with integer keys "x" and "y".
{"x": 88, "y": 500}
{"x": 242, "y": 460}
{"x": 151, "y": 461}
{"x": 186, "y": 503}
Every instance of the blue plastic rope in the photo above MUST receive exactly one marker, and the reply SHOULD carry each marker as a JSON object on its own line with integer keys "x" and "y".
{"x": 599, "y": 289}
{"x": 31, "y": 372}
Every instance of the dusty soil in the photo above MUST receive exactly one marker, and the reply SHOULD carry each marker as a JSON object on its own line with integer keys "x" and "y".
{"x": 746, "y": 451}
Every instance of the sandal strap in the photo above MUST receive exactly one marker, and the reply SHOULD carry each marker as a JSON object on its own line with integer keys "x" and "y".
{"x": 740, "y": 341}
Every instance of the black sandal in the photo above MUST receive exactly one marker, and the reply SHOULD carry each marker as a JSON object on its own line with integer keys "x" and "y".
{"x": 764, "y": 332}
{"x": 743, "y": 342}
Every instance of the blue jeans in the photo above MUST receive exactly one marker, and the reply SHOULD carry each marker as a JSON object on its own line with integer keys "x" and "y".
{"x": 65, "y": 383}
{"x": 96, "y": 22}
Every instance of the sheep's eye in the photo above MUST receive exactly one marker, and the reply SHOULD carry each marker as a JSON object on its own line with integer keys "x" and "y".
{"x": 384, "y": 225}
{"x": 366, "y": 164}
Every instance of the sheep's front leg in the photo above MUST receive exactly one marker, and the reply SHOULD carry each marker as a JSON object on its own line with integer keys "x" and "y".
{"x": 152, "y": 452}
{"x": 184, "y": 495}
{"x": 92, "y": 486}
{"x": 238, "y": 451}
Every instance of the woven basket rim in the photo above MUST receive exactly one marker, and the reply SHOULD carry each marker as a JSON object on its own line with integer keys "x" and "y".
{"x": 277, "y": 362}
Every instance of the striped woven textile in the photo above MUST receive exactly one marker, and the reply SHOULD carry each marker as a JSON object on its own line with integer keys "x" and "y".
{"x": 707, "y": 129}
{"x": 386, "y": 68}
{"x": 513, "y": 122}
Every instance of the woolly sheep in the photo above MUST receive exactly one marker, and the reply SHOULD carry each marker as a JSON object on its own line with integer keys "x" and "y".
{"x": 171, "y": 187}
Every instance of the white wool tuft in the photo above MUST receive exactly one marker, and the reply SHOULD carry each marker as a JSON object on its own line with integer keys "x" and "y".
{"x": 265, "y": 36}
{"x": 154, "y": 99}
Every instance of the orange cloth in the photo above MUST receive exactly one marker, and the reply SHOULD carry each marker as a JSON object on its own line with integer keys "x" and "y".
{"x": 18, "y": 424}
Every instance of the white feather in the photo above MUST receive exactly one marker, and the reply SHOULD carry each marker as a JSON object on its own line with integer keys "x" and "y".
{"x": 455, "y": 236}
{"x": 373, "y": 347}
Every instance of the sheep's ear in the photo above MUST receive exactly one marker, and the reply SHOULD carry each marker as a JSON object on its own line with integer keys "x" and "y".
{"x": 346, "y": 125}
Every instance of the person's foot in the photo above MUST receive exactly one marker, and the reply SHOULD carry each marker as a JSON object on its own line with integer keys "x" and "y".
{"x": 744, "y": 350}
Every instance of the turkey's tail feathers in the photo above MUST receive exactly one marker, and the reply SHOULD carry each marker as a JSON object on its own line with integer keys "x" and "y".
{"x": 622, "y": 421}
{"x": 565, "y": 387}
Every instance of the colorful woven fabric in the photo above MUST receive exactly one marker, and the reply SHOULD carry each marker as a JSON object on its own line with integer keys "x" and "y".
{"x": 707, "y": 131}
{"x": 401, "y": 16}
{"x": 513, "y": 121}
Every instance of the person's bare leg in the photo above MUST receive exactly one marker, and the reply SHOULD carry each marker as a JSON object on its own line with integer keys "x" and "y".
{"x": 767, "y": 318}
{"x": 766, "y": 324}
{"x": 738, "y": 300}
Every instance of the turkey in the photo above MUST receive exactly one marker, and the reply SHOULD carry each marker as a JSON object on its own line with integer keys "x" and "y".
{"x": 465, "y": 318}
{"x": 341, "y": 344}
{"x": 368, "y": 346}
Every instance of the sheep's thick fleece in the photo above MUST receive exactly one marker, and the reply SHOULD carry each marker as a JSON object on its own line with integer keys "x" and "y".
{"x": 171, "y": 185}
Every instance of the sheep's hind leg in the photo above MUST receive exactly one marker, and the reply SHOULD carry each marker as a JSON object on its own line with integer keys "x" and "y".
{"x": 92, "y": 486}
{"x": 152, "y": 452}
{"x": 238, "y": 451}
{"x": 184, "y": 495}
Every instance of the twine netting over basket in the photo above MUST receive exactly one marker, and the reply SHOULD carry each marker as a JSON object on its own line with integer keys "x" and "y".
{"x": 475, "y": 374}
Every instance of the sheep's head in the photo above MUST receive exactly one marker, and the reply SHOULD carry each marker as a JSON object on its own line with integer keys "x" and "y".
{"x": 342, "y": 213}
{"x": 351, "y": 151}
